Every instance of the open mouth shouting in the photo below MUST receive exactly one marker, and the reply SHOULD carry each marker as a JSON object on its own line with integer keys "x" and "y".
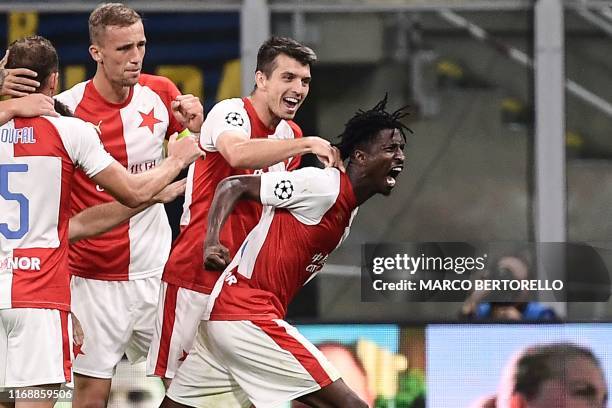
{"x": 392, "y": 175}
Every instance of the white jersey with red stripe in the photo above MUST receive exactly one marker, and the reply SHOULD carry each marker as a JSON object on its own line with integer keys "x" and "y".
{"x": 307, "y": 214}
{"x": 184, "y": 267}
{"x": 38, "y": 157}
{"x": 133, "y": 132}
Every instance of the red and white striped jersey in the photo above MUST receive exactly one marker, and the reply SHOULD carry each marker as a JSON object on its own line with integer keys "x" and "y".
{"x": 133, "y": 132}
{"x": 38, "y": 157}
{"x": 307, "y": 214}
{"x": 185, "y": 265}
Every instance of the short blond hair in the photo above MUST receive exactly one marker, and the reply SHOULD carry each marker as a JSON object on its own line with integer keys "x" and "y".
{"x": 110, "y": 14}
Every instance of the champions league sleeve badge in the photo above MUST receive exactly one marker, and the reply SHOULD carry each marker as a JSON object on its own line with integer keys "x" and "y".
{"x": 283, "y": 190}
{"x": 234, "y": 119}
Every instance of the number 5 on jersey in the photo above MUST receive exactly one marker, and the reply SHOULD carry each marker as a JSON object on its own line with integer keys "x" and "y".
{"x": 24, "y": 204}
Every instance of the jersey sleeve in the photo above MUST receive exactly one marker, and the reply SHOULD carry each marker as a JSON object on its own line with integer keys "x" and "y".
{"x": 227, "y": 115}
{"x": 307, "y": 193}
{"x": 84, "y": 146}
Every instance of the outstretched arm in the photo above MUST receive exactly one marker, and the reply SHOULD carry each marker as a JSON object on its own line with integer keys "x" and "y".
{"x": 259, "y": 153}
{"x": 28, "y": 106}
{"x": 227, "y": 194}
{"x": 134, "y": 190}
{"x": 101, "y": 218}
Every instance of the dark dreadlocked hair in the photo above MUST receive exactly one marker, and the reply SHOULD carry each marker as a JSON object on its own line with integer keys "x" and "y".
{"x": 365, "y": 125}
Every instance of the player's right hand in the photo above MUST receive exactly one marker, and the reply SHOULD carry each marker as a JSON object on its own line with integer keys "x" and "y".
{"x": 216, "y": 257}
{"x": 34, "y": 105}
{"x": 325, "y": 152}
{"x": 171, "y": 191}
{"x": 14, "y": 82}
{"x": 186, "y": 149}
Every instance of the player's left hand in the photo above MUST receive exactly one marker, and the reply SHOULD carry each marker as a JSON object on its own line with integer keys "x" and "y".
{"x": 14, "y": 82}
{"x": 77, "y": 331}
{"x": 188, "y": 110}
{"x": 216, "y": 257}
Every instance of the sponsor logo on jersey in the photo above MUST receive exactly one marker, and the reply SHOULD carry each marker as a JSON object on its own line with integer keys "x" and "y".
{"x": 24, "y": 263}
{"x": 98, "y": 128}
{"x": 23, "y": 135}
{"x": 141, "y": 167}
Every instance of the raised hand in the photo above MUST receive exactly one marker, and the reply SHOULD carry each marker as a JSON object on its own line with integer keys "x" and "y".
{"x": 326, "y": 153}
{"x": 188, "y": 110}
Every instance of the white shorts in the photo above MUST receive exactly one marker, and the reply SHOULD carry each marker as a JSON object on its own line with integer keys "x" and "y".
{"x": 35, "y": 347}
{"x": 178, "y": 315}
{"x": 266, "y": 363}
{"x": 117, "y": 317}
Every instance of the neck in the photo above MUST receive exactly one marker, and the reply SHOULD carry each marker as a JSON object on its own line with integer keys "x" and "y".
{"x": 111, "y": 92}
{"x": 269, "y": 119}
{"x": 360, "y": 187}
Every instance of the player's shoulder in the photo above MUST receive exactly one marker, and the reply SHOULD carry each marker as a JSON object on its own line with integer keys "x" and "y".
{"x": 318, "y": 180}
{"x": 156, "y": 82}
{"x": 228, "y": 104}
{"x": 70, "y": 125}
{"x": 72, "y": 96}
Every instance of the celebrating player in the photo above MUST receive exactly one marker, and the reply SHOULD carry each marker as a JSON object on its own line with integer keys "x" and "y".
{"x": 246, "y": 351}
{"x": 116, "y": 276}
{"x": 241, "y": 136}
{"x": 38, "y": 160}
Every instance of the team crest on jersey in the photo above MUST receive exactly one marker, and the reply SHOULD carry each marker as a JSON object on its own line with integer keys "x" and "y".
{"x": 234, "y": 119}
{"x": 283, "y": 190}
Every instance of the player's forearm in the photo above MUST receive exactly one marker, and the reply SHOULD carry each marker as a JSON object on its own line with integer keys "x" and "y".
{"x": 262, "y": 153}
{"x": 99, "y": 219}
{"x": 229, "y": 191}
{"x": 7, "y": 111}
{"x": 145, "y": 186}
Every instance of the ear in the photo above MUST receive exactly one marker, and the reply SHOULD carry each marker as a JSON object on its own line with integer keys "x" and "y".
{"x": 94, "y": 51}
{"x": 359, "y": 157}
{"x": 53, "y": 82}
{"x": 517, "y": 401}
{"x": 260, "y": 80}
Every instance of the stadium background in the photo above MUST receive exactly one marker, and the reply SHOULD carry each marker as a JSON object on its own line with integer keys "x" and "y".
{"x": 499, "y": 153}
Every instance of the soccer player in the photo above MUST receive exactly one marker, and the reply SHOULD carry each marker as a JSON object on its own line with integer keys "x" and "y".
{"x": 241, "y": 136}
{"x": 38, "y": 160}
{"x": 246, "y": 350}
{"x": 116, "y": 277}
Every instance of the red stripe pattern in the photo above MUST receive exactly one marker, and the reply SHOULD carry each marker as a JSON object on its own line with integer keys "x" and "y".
{"x": 167, "y": 328}
{"x": 285, "y": 341}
